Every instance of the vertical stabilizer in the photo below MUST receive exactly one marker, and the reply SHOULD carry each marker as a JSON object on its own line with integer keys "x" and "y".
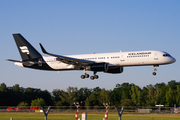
{"x": 26, "y": 50}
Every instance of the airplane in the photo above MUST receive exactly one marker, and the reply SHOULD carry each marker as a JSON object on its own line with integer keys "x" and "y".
{"x": 113, "y": 63}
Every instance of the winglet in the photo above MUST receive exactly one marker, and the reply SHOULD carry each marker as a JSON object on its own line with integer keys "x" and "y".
{"x": 43, "y": 50}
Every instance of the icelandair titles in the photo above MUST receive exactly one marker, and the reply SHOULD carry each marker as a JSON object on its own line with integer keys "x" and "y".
{"x": 140, "y": 53}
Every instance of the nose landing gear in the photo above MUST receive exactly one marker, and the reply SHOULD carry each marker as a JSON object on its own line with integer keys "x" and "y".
{"x": 155, "y": 69}
{"x": 154, "y": 73}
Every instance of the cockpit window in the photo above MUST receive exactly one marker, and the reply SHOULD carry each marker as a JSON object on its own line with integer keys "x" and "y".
{"x": 166, "y": 55}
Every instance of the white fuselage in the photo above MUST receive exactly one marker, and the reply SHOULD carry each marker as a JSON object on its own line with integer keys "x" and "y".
{"x": 135, "y": 58}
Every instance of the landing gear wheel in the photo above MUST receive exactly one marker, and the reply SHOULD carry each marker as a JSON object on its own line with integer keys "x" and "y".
{"x": 82, "y": 76}
{"x": 92, "y": 77}
{"x": 86, "y": 75}
{"x": 96, "y": 77}
{"x": 154, "y": 73}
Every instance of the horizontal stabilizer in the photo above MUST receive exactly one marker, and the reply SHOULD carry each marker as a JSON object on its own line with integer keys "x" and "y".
{"x": 13, "y": 60}
{"x": 27, "y": 63}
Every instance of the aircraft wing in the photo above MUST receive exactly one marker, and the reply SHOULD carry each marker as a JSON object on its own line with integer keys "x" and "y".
{"x": 69, "y": 60}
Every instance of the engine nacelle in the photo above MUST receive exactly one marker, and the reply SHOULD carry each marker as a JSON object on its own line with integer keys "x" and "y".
{"x": 98, "y": 67}
{"x": 115, "y": 70}
{"x": 18, "y": 64}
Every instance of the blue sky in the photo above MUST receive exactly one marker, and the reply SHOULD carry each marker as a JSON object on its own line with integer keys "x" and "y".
{"x": 80, "y": 27}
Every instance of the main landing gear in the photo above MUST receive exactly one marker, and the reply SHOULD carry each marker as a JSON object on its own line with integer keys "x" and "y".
{"x": 87, "y": 75}
{"x": 155, "y": 69}
{"x": 95, "y": 76}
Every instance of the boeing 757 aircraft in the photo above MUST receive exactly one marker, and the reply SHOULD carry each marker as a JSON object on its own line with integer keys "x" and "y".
{"x": 101, "y": 62}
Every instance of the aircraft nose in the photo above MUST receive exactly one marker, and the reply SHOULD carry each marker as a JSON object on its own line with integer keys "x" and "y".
{"x": 173, "y": 60}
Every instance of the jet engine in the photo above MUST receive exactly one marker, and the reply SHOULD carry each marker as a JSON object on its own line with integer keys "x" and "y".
{"x": 114, "y": 70}
{"x": 98, "y": 67}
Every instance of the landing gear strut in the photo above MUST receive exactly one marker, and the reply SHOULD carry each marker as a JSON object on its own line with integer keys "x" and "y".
{"x": 155, "y": 69}
{"x": 85, "y": 75}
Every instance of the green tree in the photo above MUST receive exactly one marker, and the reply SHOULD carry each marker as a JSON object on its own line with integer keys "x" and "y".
{"x": 160, "y": 93}
{"x": 96, "y": 90}
{"x": 23, "y": 104}
{"x": 56, "y": 93}
{"x": 104, "y": 96}
{"x": 45, "y": 95}
{"x": 172, "y": 84}
{"x": 144, "y": 96}
{"x": 116, "y": 95}
{"x": 6, "y": 94}
{"x": 93, "y": 99}
{"x": 71, "y": 95}
{"x": 31, "y": 94}
{"x": 150, "y": 96}
{"x": 157, "y": 96}
{"x": 62, "y": 103}
{"x": 3, "y": 87}
{"x": 126, "y": 88}
{"x": 170, "y": 97}
{"x": 84, "y": 93}
{"x": 126, "y": 102}
{"x": 38, "y": 102}
{"x": 139, "y": 98}
{"x": 87, "y": 102}
{"x": 17, "y": 94}
{"x": 171, "y": 93}
{"x": 178, "y": 95}
{"x": 135, "y": 95}
{"x": 159, "y": 85}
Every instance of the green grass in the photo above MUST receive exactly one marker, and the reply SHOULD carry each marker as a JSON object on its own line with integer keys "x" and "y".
{"x": 90, "y": 117}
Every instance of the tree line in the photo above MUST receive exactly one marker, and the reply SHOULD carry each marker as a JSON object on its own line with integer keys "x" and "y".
{"x": 124, "y": 94}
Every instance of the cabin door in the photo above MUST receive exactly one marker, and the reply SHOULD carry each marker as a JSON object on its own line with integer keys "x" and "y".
{"x": 122, "y": 58}
{"x": 155, "y": 56}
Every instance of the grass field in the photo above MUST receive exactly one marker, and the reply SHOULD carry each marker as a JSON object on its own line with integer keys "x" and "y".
{"x": 90, "y": 117}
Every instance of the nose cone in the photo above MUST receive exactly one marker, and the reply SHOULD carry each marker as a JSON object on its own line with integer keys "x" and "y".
{"x": 169, "y": 60}
{"x": 173, "y": 60}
